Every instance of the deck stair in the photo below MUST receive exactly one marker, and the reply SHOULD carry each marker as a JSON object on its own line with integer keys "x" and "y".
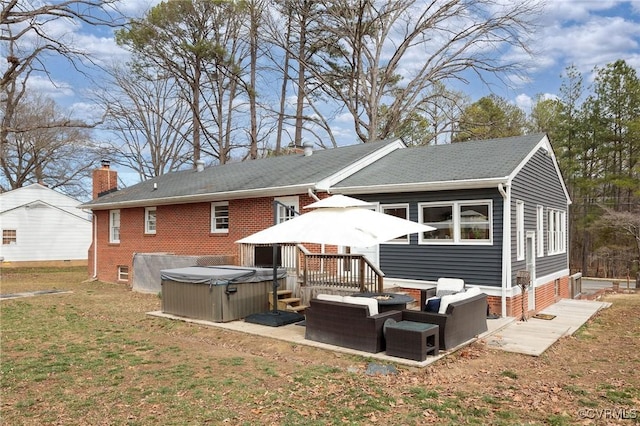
{"x": 287, "y": 303}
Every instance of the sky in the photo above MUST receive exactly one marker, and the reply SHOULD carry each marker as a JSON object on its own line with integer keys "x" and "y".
{"x": 583, "y": 33}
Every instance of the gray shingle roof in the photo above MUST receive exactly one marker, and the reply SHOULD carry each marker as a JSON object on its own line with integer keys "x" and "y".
{"x": 473, "y": 160}
{"x": 464, "y": 161}
{"x": 266, "y": 173}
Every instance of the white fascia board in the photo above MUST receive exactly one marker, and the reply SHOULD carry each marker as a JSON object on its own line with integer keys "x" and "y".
{"x": 199, "y": 198}
{"x": 423, "y": 186}
{"x": 326, "y": 183}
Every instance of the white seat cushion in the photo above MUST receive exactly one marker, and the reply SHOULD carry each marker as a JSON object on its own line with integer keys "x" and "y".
{"x": 447, "y": 286}
{"x": 330, "y": 297}
{"x": 367, "y": 301}
{"x": 450, "y": 298}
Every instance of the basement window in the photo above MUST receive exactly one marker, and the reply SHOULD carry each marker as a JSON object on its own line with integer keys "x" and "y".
{"x": 123, "y": 273}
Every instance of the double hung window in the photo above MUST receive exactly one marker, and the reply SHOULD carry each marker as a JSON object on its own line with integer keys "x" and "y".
{"x": 220, "y": 217}
{"x": 150, "y": 220}
{"x": 114, "y": 226}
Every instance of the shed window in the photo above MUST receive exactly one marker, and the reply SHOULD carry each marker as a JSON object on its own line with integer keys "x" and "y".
{"x": 9, "y": 236}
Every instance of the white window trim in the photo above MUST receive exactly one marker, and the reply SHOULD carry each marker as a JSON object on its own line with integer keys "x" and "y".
{"x": 455, "y": 210}
{"x": 400, "y": 240}
{"x": 123, "y": 273}
{"x": 111, "y": 226}
{"x": 147, "y": 222}
{"x": 520, "y": 236}
{"x": 13, "y": 238}
{"x": 293, "y": 202}
{"x": 539, "y": 230}
{"x": 214, "y": 228}
{"x": 556, "y": 232}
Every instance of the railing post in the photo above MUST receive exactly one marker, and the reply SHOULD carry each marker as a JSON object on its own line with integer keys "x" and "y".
{"x": 361, "y": 273}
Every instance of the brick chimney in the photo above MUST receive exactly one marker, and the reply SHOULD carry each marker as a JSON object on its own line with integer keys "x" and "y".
{"x": 105, "y": 180}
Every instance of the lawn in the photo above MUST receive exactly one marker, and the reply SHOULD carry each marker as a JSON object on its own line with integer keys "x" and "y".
{"x": 94, "y": 357}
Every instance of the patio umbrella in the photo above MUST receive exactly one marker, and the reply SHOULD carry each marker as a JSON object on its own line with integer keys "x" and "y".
{"x": 344, "y": 225}
{"x": 338, "y": 220}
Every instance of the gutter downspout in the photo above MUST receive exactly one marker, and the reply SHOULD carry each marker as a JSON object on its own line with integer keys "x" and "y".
{"x": 95, "y": 246}
{"x": 312, "y": 194}
{"x": 506, "y": 245}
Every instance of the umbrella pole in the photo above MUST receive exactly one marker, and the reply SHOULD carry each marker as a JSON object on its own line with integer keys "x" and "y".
{"x": 275, "y": 278}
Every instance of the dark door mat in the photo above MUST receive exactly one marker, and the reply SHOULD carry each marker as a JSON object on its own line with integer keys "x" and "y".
{"x": 544, "y": 316}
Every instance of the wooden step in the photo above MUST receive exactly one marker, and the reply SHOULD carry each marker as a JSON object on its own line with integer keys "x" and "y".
{"x": 299, "y": 309}
{"x": 289, "y": 300}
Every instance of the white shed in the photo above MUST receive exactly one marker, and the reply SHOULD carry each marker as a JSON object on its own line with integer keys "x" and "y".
{"x": 42, "y": 225}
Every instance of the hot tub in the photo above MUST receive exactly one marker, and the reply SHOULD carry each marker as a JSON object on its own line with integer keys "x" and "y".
{"x": 217, "y": 293}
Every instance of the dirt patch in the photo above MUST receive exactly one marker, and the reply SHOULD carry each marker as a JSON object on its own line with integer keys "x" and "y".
{"x": 94, "y": 357}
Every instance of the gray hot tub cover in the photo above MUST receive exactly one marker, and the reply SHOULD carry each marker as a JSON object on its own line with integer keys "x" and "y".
{"x": 220, "y": 275}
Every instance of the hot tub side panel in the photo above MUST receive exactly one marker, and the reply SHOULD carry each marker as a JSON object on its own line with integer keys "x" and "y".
{"x": 217, "y": 303}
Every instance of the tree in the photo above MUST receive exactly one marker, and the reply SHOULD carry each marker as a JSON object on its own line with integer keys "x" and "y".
{"x": 27, "y": 42}
{"x": 190, "y": 41}
{"x": 617, "y": 99}
{"x": 149, "y": 121}
{"x": 489, "y": 117}
{"x": 39, "y": 150}
{"x": 367, "y": 56}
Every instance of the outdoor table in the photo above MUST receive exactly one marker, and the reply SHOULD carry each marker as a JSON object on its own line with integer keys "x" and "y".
{"x": 388, "y": 301}
{"x": 411, "y": 340}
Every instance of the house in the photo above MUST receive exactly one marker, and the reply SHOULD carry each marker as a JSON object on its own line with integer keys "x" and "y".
{"x": 499, "y": 207}
{"x": 41, "y": 226}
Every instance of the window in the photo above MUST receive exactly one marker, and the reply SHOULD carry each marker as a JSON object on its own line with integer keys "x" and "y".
{"x": 556, "y": 231}
{"x": 540, "y": 230}
{"x": 114, "y": 226}
{"x": 290, "y": 211}
{"x": 123, "y": 273}
{"x": 9, "y": 236}
{"x": 519, "y": 230}
{"x": 220, "y": 217}
{"x": 474, "y": 222}
{"x": 401, "y": 211}
{"x": 150, "y": 220}
{"x": 458, "y": 222}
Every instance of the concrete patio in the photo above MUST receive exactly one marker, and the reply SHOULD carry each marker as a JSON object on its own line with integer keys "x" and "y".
{"x": 530, "y": 337}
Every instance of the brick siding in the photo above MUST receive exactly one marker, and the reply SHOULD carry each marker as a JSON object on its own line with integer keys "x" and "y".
{"x": 181, "y": 229}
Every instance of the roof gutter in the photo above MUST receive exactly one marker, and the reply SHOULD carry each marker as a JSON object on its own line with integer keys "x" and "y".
{"x": 423, "y": 186}
{"x": 195, "y": 198}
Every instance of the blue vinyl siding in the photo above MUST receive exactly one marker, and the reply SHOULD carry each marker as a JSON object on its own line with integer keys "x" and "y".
{"x": 538, "y": 183}
{"x": 476, "y": 264}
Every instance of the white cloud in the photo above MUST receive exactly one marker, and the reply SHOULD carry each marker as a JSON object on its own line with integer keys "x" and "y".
{"x": 49, "y": 87}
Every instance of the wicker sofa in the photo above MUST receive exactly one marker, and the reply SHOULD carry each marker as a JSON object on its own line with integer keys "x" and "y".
{"x": 460, "y": 320}
{"x": 347, "y": 323}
